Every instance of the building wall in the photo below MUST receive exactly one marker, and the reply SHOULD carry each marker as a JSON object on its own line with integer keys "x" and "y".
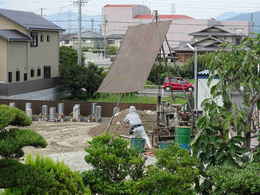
{"x": 46, "y": 54}
{"x": 17, "y": 59}
{"x": 7, "y": 24}
{"x": 3, "y": 60}
{"x": 119, "y": 19}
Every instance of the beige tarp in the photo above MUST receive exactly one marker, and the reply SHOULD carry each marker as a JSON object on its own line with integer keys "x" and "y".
{"x": 135, "y": 59}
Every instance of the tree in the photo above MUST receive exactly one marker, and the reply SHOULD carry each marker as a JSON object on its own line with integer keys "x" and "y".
{"x": 111, "y": 50}
{"x": 12, "y": 140}
{"x": 80, "y": 82}
{"x": 115, "y": 166}
{"x": 236, "y": 68}
{"x": 68, "y": 56}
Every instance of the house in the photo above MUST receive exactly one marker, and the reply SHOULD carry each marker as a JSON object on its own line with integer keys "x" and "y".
{"x": 207, "y": 40}
{"x": 89, "y": 39}
{"x": 114, "y": 40}
{"x": 120, "y": 16}
{"x": 29, "y": 52}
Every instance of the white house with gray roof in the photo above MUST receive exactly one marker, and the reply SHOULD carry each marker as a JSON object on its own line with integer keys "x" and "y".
{"x": 29, "y": 52}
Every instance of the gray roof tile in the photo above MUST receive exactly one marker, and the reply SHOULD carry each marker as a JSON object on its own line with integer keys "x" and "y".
{"x": 29, "y": 20}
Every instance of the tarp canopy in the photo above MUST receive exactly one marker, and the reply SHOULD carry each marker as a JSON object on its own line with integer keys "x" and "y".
{"x": 135, "y": 59}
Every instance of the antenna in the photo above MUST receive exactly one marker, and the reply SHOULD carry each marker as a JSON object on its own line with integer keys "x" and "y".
{"x": 42, "y": 11}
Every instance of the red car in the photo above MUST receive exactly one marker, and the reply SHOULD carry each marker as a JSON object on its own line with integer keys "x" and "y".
{"x": 177, "y": 83}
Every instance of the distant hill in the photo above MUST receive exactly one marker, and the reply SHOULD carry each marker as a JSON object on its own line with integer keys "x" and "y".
{"x": 247, "y": 17}
{"x": 69, "y": 21}
{"x": 227, "y": 15}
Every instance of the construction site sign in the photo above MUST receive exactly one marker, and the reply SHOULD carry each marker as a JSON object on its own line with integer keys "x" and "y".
{"x": 135, "y": 59}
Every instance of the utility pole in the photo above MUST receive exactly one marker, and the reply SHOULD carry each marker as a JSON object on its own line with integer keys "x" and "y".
{"x": 251, "y": 24}
{"x": 156, "y": 15}
{"x": 92, "y": 24}
{"x": 104, "y": 34}
{"x": 80, "y": 3}
{"x": 195, "y": 50}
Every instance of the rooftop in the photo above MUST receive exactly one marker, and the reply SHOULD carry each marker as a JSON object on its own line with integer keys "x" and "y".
{"x": 28, "y": 20}
{"x": 120, "y": 5}
{"x": 173, "y": 16}
{"x": 13, "y": 35}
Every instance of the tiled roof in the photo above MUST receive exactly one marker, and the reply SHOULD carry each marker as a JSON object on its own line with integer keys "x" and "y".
{"x": 120, "y": 5}
{"x": 28, "y": 20}
{"x": 14, "y": 35}
{"x": 149, "y": 16}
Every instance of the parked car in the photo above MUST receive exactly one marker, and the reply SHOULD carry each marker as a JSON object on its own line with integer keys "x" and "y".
{"x": 177, "y": 83}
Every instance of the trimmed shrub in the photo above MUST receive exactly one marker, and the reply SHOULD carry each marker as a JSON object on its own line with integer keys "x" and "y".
{"x": 114, "y": 165}
{"x": 231, "y": 180}
{"x": 12, "y": 141}
{"x": 175, "y": 172}
{"x": 63, "y": 180}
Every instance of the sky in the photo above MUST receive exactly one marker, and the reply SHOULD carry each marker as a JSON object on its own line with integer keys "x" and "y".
{"x": 193, "y": 8}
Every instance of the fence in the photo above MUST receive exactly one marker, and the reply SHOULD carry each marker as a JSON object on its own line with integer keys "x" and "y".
{"x": 85, "y": 107}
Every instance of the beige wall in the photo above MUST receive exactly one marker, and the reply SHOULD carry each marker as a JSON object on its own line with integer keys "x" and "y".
{"x": 17, "y": 59}
{"x": 7, "y": 24}
{"x": 3, "y": 60}
{"x": 24, "y": 58}
{"x": 46, "y": 54}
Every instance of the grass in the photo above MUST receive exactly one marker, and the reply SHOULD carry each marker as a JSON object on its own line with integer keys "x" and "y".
{"x": 134, "y": 99}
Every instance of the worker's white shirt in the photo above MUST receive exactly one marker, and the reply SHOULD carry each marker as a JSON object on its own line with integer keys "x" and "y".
{"x": 133, "y": 119}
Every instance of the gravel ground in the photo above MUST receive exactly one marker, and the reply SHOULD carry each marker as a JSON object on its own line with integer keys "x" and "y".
{"x": 61, "y": 137}
{"x": 75, "y": 160}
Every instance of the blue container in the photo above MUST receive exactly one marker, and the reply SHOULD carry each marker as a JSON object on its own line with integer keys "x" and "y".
{"x": 138, "y": 144}
{"x": 184, "y": 146}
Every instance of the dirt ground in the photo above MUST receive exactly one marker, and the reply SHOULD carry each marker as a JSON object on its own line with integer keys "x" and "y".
{"x": 61, "y": 137}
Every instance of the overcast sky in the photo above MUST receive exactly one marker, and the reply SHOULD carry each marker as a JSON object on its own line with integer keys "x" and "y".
{"x": 194, "y": 8}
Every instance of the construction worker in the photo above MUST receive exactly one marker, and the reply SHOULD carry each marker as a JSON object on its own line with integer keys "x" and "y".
{"x": 136, "y": 126}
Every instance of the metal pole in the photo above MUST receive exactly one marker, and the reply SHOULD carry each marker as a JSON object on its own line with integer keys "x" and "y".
{"x": 196, "y": 79}
{"x": 79, "y": 33}
{"x": 104, "y": 34}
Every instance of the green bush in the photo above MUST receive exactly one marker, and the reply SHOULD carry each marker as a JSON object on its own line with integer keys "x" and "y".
{"x": 12, "y": 141}
{"x": 16, "y": 174}
{"x": 13, "y": 116}
{"x": 61, "y": 180}
{"x": 113, "y": 163}
{"x": 175, "y": 172}
{"x": 231, "y": 180}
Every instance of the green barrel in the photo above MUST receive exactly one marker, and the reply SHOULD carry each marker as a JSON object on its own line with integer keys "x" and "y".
{"x": 183, "y": 135}
{"x": 138, "y": 144}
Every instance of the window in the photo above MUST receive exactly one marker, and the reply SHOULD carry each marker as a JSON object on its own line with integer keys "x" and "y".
{"x": 67, "y": 41}
{"x": 34, "y": 42}
{"x": 48, "y": 38}
{"x": 237, "y": 41}
{"x": 110, "y": 42}
{"x": 42, "y": 37}
{"x": 17, "y": 75}
{"x": 32, "y": 73}
{"x": 39, "y": 72}
{"x": 47, "y": 72}
{"x": 10, "y": 77}
{"x": 25, "y": 77}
